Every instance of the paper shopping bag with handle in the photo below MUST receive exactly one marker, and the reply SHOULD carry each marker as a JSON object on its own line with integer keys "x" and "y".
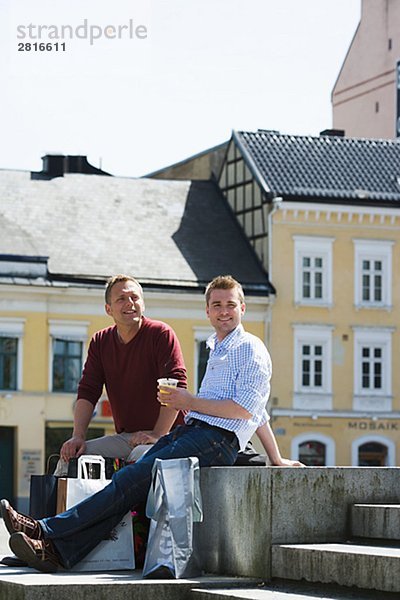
{"x": 111, "y": 554}
{"x": 43, "y": 493}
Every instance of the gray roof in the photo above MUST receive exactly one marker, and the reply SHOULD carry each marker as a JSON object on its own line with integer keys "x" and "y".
{"x": 167, "y": 233}
{"x": 324, "y": 168}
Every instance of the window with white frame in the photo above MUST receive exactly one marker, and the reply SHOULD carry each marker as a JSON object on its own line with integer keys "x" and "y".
{"x": 372, "y": 368}
{"x": 313, "y": 449}
{"x": 8, "y": 363}
{"x": 373, "y": 273}
{"x": 312, "y": 366}
{"x": 11, "y": 334}
{"x": 313, "y": 270}
{"x": 67, "y": 341}
{"x": 67, "y": 364}
{"x": 373, "y": 451}
{"x": 201, "y": 352}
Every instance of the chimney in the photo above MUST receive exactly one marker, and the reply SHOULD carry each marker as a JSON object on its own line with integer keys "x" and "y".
{"x": 333, "y": 132}
{"x": 56, "y": 165}
{"x": 53, "y": 165}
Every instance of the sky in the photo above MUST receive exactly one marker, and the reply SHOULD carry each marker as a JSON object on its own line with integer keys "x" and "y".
{"x": 136, "y": 85}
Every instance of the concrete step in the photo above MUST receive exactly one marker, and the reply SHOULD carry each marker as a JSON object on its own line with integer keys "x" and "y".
{"x": 346, "y": 564}
{"x": 291, "y": 590}
{"x": 379, "y": 521}
{"x": 28, "y": 584}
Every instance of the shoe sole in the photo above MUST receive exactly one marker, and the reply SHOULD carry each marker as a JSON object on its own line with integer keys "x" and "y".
{"x": 21, "y": 549}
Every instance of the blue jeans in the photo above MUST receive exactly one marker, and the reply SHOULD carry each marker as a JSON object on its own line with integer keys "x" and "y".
{"x": 77, "y": 531}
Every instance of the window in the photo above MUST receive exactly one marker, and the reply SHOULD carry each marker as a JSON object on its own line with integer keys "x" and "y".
{"x": 11, "y": 335}
{"x": 67, "y": 364}
{"x": 313, "y": 270}
{"x": 311, "y": 371}
{"x": 312, "y": 454}
{"x": 312, "y": 367}
{"x": 67, "y": 339}
{"x": 313, "y": 449}
{"x": 372, "y": 454}
{"x": 373, "y": 451}
{"x": 372, "y": 368}
{"x": 312, "y": 277}
{"x": 8, "y": 363}
{"x": 373, "y": 273}
{"x": 371, "y": 277}
{"x": 201, "y": 353}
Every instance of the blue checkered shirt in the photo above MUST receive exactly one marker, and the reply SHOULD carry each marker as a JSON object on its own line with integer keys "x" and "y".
{"x": 239, "y": 368}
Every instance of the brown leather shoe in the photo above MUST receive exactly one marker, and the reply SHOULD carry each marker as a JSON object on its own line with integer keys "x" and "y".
{"x": 38, "y": 554}
{"x": 17, "y": 522}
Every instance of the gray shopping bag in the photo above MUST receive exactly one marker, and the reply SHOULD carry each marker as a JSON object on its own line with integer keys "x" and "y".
{"x": 173, "y": 505}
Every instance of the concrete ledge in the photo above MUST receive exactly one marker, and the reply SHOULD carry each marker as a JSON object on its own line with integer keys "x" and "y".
{"x": 375, "y": 568}
{"x": 379, "y": 521}
{"x": 248, "y": 509}
{"x": 27, "y": 584}
{"x": 292, "y": 590}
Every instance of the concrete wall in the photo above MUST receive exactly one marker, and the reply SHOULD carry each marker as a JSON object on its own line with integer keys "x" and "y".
{"x": 247, "y": 509}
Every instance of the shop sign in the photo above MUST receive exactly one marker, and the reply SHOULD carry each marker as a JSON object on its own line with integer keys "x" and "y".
{"x": 313, "y": 423}
{"x": 31, "y": 464}
{"x": 374, "y": 425}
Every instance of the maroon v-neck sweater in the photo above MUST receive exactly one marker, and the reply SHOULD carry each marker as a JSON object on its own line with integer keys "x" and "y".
{"x": 130, "y": 371}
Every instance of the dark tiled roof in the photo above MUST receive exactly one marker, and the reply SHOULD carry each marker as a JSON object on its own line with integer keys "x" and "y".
{"x": 177, "y": 234}
{"x": 323, "y": 168}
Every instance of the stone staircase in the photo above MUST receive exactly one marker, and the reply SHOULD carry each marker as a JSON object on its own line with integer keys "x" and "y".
{"x": 370, "y": 560}
{"x": 263, "y": 538}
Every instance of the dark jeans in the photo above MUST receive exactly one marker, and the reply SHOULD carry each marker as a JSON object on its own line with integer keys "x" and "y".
{"x": 77, "y": 531}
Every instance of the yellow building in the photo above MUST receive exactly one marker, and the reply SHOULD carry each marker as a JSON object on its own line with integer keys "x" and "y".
{"x": 64, "y": 231}
{"x": 323, "y": 215}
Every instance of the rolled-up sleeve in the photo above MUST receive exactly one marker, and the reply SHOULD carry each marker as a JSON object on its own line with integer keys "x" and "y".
{"x": 253, "y": 376}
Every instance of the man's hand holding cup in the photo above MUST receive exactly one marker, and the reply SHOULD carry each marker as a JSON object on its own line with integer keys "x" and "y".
{"x": 163, "y": 384}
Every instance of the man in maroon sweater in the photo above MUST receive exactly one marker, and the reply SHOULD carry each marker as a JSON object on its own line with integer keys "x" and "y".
{"x": 127, "y": 358}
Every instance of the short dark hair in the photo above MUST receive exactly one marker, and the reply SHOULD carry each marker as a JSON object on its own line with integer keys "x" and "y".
{"x": 224, "y": 282}
{"x": 117, "y": 279}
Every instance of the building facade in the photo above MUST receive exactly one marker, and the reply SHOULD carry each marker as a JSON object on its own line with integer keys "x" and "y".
{"x": 323, "y": 216}
{"x": 366, "y": 95}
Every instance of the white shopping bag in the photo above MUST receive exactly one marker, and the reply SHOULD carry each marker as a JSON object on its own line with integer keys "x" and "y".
{"x": 117, "y": 552}
{"x": 173, "y": 505}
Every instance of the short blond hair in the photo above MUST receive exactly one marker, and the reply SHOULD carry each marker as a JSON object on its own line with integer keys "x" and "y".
{"x": 224, "y": 282}
{"x": 118, "y": 279}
